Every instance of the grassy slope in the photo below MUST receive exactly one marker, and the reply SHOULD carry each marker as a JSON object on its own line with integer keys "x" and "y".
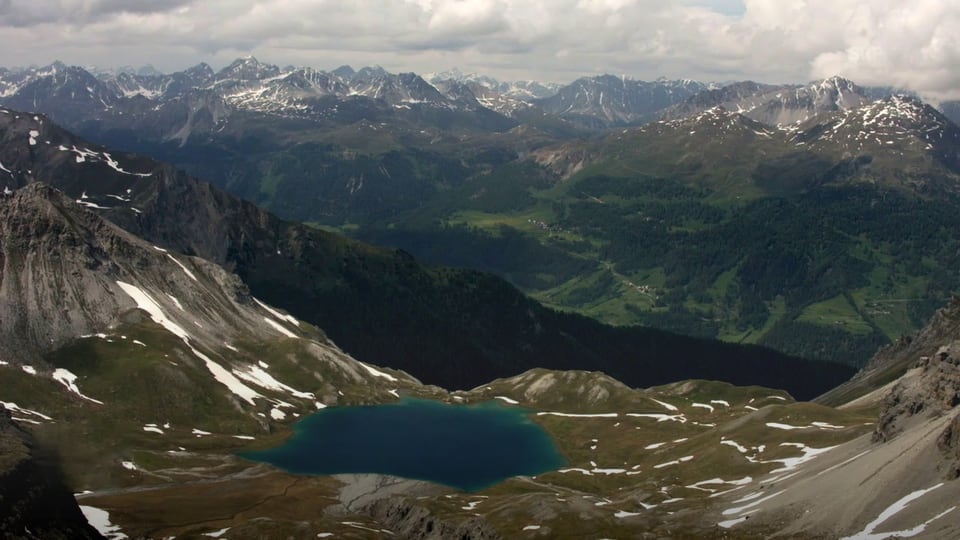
{"x": 887, "y": 298}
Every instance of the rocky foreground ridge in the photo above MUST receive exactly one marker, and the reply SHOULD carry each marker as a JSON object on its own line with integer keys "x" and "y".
{"x": 34, "y": 499}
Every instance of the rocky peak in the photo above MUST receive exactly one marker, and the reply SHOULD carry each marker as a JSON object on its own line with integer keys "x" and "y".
{"x": 718, "y": 121}
{"x": 344, "y": 71}
{"x": 900, "y": 123}
{"x": 612, "y": 100}
{"x": 201, "y": 71}
{"x": 840, "y": 88}
{"x": 777, "y": 104}
{"x": 61, "y": 274}
{"x": 369, "y": 73}
{"x": 248, "y": 69}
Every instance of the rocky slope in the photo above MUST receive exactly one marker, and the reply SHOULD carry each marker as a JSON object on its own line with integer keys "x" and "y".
{"x": 115, "y": 348}
{"x": 607, "y": 100}
{"x": 776, "y": 104}
{"x": 911, "y": 454}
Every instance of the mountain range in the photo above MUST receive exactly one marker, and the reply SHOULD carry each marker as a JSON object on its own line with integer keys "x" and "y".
{"x": 155, "y": 325}
{"x": 439, "y": 169}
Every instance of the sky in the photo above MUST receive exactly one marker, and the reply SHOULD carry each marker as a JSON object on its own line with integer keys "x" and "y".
{"x": 913, "y": 45}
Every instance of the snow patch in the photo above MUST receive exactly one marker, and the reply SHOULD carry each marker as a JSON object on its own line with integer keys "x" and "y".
{"x": 176, "y": 302}
{"x": 755, "y": 502}
{"x": 100, "y": 520}
{"x": 731, "y": 522}
{"x": 224, "y": 377}
{"x": 113, "y": 164}
{"x": 505, "y": 399}
{"x": 593, "y": 471}
{"x": 661, "y": 417}
{"x": 290, "y": 319}
{"x": 377, "y": 373}
{"x": 29, "y": 370}
{"x": 791, "y": 463}
{"x": 471, "y": 505}
{"x": 715, "y": 481}
{"x": 674, "y": 462}
{"x": 259, "y": 377}
{"x": 667, "y": 406}
{"x": 11, "y": 406}
{"x": 868, "y": 532}
{"x": 89, "y": 204}
{"x": 572, "y": 415}
{"x": 69, "y": 380}
{"x": 813, "y": 425}
{"x": 279, "y": 328}
{"x": 740, "y": 448}
{"x": 146, "y": 303}
{"x": 277, "y": 414}
{"x": 217, "y": 534}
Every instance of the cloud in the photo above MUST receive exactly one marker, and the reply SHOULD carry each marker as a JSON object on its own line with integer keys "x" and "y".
{"x": 885, "y": 42}
{"x": 18, "y": 13}
{"x": 913, "y": 45}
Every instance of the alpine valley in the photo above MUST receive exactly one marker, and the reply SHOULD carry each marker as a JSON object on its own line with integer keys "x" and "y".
{"x": 574, "y": 251}
{"x": 674, "y": 204}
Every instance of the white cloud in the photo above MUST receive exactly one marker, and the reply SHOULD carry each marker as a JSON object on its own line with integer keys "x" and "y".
{"x": 913, "y": 45}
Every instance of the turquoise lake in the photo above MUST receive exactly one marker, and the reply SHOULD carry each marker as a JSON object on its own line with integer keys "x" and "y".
{"x": 469, "y": 447}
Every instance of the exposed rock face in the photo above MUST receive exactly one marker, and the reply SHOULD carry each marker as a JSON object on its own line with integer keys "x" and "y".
{"x": 411, "y": 521}
{"x": 935, "y": 390}
{"x": 60, "y": 265}
{"x": 34, "y": 502}
{"x": 931, "y": 390}
{"x": 949, "y": 445}
{"x": 776, "y": 104}
{"x": 942, "y": 329}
